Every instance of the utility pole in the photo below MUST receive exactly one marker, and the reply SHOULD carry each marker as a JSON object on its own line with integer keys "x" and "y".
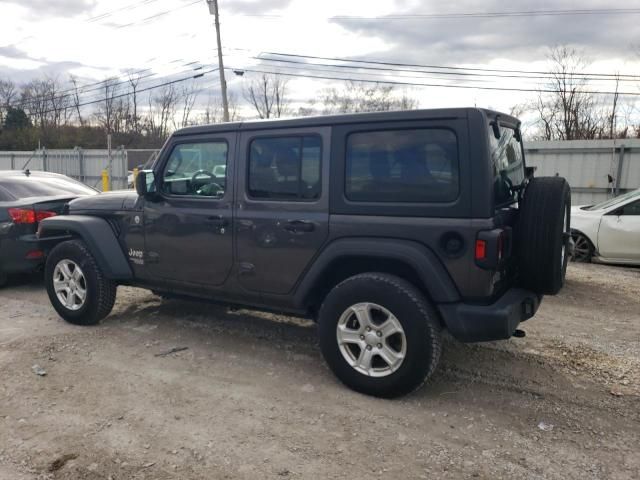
{"x": 213, "y": 10}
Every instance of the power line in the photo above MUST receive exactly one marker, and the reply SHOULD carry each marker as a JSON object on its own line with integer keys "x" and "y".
{"x": 416, "y": 84}
{"x": 474, "y": 69}
{"x": 131, "y": 6}
{"x": 114, "y": 97}
{"x": 159, "y": 14}
{"x": 463, "y": 15}
{"x": 432, "y": 72}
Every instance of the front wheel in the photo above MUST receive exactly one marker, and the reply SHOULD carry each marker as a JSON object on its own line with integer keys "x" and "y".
{"x": 582, "y": 248}
{"x": 379, "y": 335}
{"x": 77, "y": 288}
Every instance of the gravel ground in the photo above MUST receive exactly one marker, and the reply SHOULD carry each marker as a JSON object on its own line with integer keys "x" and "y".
{"x": 250, "y": 396}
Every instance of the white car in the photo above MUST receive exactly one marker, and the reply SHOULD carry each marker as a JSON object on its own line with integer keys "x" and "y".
{"x": 608, "y": 232}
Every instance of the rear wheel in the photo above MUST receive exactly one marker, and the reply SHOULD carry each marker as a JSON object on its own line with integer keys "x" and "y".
{"x": 582, "y": 248}
{"x": 77, "y": 288}
{"x": 543, "y": 234}
{"x": 379, "y": 335}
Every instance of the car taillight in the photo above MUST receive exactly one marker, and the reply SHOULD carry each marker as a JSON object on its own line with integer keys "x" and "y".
{"x": 481, "y": 249}
{"x": 493, "y": 247}
{"x": 42, "y": 214}
{"x": 28, "y": 215}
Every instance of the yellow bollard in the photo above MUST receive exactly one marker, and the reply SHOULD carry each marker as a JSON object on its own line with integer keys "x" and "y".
{"x": 105, "y": 181}
{"x": 135, "y": 175}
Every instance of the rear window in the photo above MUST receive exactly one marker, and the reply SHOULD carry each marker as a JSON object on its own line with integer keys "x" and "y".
{"x": 416, "y": 165}
{"x": 36, "y": 186}
{"x": 508, "y": 165}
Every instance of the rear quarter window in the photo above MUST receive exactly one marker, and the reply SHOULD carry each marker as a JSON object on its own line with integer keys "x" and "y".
{"x": 410, "y": 165}
{"x": 507, "y": 162}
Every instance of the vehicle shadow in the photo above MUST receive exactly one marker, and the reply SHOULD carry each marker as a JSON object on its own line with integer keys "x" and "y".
{"x": 463, "y": 369}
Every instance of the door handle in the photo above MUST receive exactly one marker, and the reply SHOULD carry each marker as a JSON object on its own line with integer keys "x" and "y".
{"x": 299, "y": 226}
{"x": 217, "y": 221}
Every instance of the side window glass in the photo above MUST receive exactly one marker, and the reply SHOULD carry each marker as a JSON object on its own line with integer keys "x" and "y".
{"x": 196, "y": 169}
{"x": 417, "y": 165}
{"x": 632, "y": 208}
{"x": 285, "y": 168}
{"x": 508, "y": 165}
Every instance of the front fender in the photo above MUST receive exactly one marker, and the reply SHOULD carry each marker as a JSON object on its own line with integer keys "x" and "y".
{"x": 99, "y": 237}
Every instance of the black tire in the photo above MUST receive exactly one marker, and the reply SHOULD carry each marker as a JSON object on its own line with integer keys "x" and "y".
{"x": 100, "y": 291}
{"x": 543, "y": 235}
{"x": 3, "y": 279}
{"x": 418, "y": 319}
{"x": 582, "y": 248}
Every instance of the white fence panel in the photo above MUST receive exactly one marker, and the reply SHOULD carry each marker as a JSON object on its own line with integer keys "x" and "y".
{"x": 83, "y": 165}
{"x": 589, "y": 165}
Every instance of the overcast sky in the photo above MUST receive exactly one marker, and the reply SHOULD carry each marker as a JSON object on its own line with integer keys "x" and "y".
{"x": 61, "y": 37}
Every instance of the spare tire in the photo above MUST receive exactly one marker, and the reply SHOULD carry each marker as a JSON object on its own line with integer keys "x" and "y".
{"x": 543, "y": 233}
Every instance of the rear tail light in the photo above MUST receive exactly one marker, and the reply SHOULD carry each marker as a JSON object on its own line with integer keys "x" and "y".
{"x": 481, "y": 249}
{"x": 28, "y": 215}
{"x": 493, "y": 247}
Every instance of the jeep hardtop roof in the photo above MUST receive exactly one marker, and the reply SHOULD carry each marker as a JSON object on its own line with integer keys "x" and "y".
{"x": 325, "y": 120}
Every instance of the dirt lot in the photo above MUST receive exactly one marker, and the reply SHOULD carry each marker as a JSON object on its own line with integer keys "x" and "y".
{"x": 252, "y": 398}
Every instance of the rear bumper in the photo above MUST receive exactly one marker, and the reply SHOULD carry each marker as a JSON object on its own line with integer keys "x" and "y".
{"x": 20, "y": 255}
{"x": 497, "y": 321}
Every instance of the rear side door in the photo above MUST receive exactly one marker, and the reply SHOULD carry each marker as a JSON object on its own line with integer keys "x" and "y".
{"x": 282, "y": 205}
{"x": 619, "y": 233}
{"x": 188, "y": 226}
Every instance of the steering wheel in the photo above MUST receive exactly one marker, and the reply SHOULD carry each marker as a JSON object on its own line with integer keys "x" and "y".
{"x": 209, "y": 186}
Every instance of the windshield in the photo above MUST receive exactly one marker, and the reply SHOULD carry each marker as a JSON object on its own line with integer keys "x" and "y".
{"x": 508, "y": 165}
{"x": 613, "y": 201}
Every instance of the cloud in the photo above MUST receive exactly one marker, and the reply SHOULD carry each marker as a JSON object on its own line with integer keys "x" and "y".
{"x": 256, "y": 7}
{"x": 57, "y": 8}
{"x": 450, "y": 41}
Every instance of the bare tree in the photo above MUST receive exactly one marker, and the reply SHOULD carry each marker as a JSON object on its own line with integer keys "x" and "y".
{"x": 366, "y": 97}
{"x": 134, "y": 120}
{"x": 188, "y": 95}
{"x": 268, "y": 95}
{"x": 75, "y": 98}
{"x": 46, "y": 104}
{"x": 162, "y": 110}
{"x": 567, "y": 110}
{"x": 213, "y": 109}
{"x": 8, "y": 94}
{"x": 105, "y": 114}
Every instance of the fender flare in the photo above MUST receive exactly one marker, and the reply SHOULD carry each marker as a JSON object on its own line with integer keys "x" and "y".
{"x": 99, "y": 237}
{"x": 434, "y": 277}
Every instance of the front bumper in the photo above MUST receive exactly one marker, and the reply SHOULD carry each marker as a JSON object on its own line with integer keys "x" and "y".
{"x": 497, "y": 321}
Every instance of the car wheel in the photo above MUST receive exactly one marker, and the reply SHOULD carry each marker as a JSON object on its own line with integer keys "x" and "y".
{"x": 379, "y": 335}
{"x": 77, "y": 288}
{"x": 3, "y": 279}
{"x": 582, "y": 248}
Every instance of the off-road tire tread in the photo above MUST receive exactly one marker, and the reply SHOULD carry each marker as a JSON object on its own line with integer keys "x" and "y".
{"x": 106, "y": 291}
{"x": 428, "y": 313}
{"x": 536, "y": 235}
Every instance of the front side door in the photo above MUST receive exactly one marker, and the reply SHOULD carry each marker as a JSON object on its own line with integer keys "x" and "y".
{"x": 619, "y": 234}
{"x": 188, "y": 226}
{"x": 282, "y": 216}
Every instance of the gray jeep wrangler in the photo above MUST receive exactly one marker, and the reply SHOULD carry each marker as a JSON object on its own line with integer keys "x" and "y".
{"x": 385, "y": 228}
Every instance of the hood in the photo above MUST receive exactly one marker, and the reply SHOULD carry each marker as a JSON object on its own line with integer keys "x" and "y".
{"x": 108, "y": 201}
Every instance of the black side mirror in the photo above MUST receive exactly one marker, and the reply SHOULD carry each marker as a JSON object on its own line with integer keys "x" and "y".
{"x": 145, "y": 183}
